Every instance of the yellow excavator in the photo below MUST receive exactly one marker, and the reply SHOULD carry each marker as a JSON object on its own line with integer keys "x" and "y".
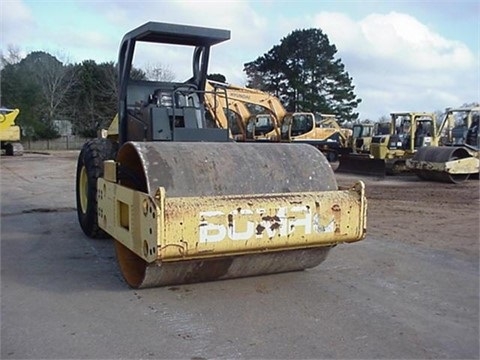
{"x": 264, "y": 126}
{"x": 10, "y": 133}
{"x": 221, "y": 108}
{"x": 320, "y": 130}
{"x": 184, "y": 203}
{"x": 276, "y": 124}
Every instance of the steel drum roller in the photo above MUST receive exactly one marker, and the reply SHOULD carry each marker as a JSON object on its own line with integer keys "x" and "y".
{"x": 441, "y": 154}
{"x": 205, "y": 169}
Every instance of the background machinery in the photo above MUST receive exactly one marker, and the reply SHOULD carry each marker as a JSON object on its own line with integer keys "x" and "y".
{"x": 319, "y": 130}
{"x": 459, "y": 126}
{"x": 227, "y": 112}
{"x": 362, "y": 135}
{"x": 456, "y": 159}
{"x": 388, "y": 152}
{"x": 184, "y": 203}
{"x": 265, "y": 124}
{"x": 274, "y": 123}
{"x": 9, "y": 132}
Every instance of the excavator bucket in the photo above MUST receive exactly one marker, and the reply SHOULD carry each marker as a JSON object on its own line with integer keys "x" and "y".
{"x": 183, "y": 212}
{"x": 453, "y": 164}
{"x": 361, "y": 164}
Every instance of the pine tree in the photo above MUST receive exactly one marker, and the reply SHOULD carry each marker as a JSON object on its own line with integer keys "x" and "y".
{"x": 304, "y": 74}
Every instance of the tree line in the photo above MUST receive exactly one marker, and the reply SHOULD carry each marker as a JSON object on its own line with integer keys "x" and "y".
{"x": 302, "y": 71}
{"x": 45, "y": 89}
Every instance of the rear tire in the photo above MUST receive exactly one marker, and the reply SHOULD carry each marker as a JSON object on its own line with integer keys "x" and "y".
{"x": 12, "y": 149}
{"x": 332, "y": 156}
{"x": 89, "y": 169}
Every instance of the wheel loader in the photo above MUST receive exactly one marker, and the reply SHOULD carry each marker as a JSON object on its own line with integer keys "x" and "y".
{"x": 186, "y": 204}
{"x": 10, "y": 133}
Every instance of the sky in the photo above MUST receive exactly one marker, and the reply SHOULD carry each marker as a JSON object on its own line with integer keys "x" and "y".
{"x": 402, "y": 55}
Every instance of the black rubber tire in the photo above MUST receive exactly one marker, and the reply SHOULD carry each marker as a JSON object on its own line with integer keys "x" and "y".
{"x": 90, "y": 160}
{"x": 332, "y": 156}
{"x": 9, "y": 149}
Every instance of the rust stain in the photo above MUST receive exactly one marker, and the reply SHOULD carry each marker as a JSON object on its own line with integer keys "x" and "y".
{"x": 271, "y": 218}
{"x": 260, "y": 229}
{"x": 275, "y": 226}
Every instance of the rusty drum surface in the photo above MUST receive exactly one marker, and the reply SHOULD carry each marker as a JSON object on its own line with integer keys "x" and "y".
{"x": 203, "y": 169}
{"x": 440, "y": 154}
{"x": 207, "y": 169}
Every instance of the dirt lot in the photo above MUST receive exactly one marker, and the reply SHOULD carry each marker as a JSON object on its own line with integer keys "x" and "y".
{"x": 435, "y": 215}
{"x": 410, "y": 290}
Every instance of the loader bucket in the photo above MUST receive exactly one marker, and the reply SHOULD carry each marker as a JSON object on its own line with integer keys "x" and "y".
{"x": 189, "y": 212}
{"x": 361, "y": 164}
{"x": 444, "y": 164}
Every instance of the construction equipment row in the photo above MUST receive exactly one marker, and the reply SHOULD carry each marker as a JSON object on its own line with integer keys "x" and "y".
{"x": 414, "y": 144}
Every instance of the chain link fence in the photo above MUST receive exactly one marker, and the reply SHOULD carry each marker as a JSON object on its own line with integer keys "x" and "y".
{"x": 70, "y": 142}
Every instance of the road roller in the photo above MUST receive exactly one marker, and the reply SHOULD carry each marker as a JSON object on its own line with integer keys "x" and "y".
{"x": 451, "y": 164}
{"x": 184, "y": 203}
{"x": 456, "y": 159}
{"x": 413, "y": 146}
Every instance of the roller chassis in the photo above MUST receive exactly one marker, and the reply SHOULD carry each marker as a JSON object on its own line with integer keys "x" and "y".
{"x": 244, "y": 235}
{"x": 186, "y": 204}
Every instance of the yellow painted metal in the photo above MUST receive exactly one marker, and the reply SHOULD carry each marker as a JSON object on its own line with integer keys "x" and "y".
{"x": 8, "y": 130}
{"x": 10, "y": 134}
{"x": 469, "y": 165}
{"x": 166, "y": 229}
{"x": 110, "y": 170}
{"x": 83, "y": 189}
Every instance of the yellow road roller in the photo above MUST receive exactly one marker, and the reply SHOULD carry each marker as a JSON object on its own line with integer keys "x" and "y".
{"x": 184, "y": 203}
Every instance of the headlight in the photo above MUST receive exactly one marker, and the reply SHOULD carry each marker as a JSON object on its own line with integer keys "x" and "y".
{"x": 165, "y": 99}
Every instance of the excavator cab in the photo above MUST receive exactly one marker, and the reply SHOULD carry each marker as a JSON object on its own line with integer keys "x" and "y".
{"x": 259, "y": 126}
{"x": 302, "y": 123}
{"x": 186, "y": 204}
